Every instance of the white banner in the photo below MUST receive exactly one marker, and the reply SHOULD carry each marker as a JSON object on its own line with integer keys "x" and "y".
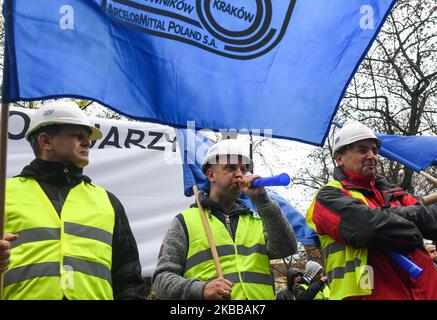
{"x": 138, "y": 162}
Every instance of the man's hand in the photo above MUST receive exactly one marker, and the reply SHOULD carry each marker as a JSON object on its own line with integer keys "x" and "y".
{"x": 218, "y": 289}
{"x": 5, "y": 251}
{"x": 253, "y": 193}
{"x": 324, "y": 279}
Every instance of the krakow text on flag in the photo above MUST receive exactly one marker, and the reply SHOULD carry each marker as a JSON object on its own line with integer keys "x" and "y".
{"x": 241, "y": 64}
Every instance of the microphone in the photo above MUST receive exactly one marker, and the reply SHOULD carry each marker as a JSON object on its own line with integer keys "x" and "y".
{"x": 282, "y": 179}
{"x": 409, "y": 266}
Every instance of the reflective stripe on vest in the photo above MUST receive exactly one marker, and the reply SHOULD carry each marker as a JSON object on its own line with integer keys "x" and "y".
{"x": 54, "y": 257}
{"x": 346, "y": 267}
{"x": 245, "y": 262}
{"x": 321, "y": 295}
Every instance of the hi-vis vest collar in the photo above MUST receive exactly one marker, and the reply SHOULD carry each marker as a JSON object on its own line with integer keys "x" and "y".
{"x": 70, "y": 255}
{"x": 244, "y": 262}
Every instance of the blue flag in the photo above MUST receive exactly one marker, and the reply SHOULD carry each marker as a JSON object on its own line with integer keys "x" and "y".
{"x": 255, "y": 65}
{"x": 192, "y": 159}
{"x": 416, "y": 152}
{"x": 193, "y": 146}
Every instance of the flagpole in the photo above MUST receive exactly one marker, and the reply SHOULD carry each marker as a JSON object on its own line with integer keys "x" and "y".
{"x": 429, "y": 177}
{"x": 4, "y": 119}
{"x": 208, "y": 234}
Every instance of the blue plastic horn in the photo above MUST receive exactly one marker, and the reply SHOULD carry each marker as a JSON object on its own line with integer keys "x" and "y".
{"x": 282, "y": 179}
{"x": 409, "y": 266}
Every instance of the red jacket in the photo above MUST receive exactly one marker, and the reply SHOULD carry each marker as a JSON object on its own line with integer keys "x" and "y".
{"x": 393, "y": 220}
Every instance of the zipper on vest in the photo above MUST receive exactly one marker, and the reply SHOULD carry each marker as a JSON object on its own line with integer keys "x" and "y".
{"x": 228, "y": 225}
{"x": 66, "y": 175}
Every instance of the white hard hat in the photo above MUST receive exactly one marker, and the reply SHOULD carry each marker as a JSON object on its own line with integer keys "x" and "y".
{"x": 350, "y": 133}
{"x": 227, "y": 147}
{"x": 61, "y": 112}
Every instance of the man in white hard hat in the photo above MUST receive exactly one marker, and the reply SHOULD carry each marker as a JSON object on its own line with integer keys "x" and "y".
{"x": 67, "y": 237}
{"x": 245, "y": 241}
{"x": 360, "y": 215}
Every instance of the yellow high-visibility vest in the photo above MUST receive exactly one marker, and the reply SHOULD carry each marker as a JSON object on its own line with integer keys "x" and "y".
{"x": 58, "y": 256}
{"x": 346, "y": 267}
{"x": 244, "y": 262}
